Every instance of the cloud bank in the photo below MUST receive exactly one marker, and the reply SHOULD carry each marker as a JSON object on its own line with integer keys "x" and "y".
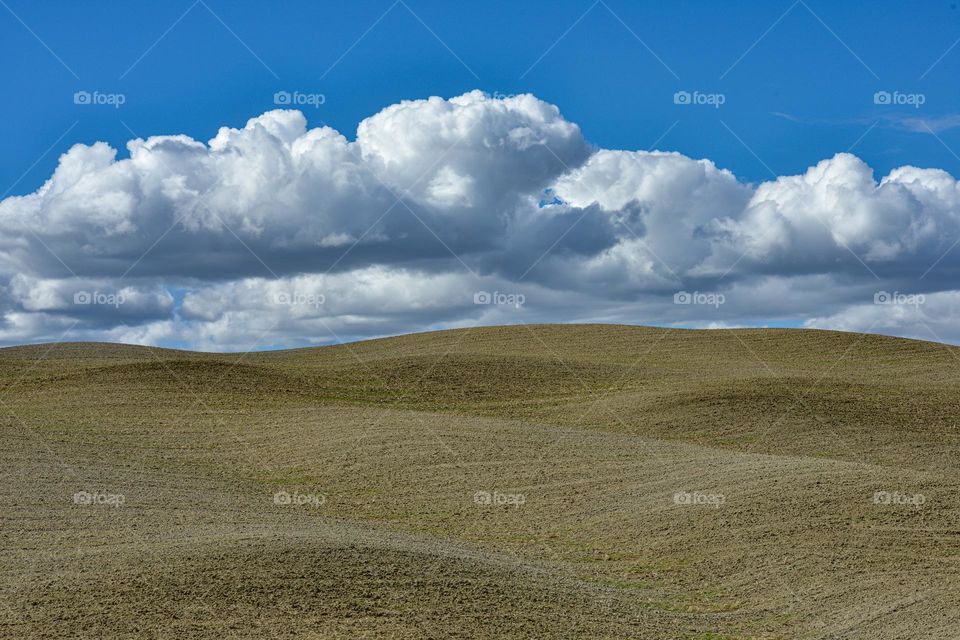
{"x": 449, "y": 213}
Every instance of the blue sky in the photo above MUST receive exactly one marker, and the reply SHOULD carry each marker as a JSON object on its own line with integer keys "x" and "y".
{"x": 198, "y": 74}
{"x": 398, "y": 228}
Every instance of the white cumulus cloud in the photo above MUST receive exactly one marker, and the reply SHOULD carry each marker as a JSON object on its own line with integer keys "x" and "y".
{"x": 435, "y": 201}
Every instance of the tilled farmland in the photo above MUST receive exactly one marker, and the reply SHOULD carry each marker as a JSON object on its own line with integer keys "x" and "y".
{"x": 589, "y": 481}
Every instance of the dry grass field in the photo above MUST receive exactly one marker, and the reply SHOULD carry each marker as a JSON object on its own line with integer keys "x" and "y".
{"x": 550, "y": 481}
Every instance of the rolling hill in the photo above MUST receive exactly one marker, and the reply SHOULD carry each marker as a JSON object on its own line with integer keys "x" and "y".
{"x": 589, "y": 481}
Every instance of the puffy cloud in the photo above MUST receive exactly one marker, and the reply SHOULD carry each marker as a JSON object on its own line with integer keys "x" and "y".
{"x": 437, "y": 200}
{"x": 836, "y": 213}
{"x": 931, "y": 316}
{"x": 666, "y": 198}
{"x": 471, "y": 151}
{"x": 92, "y": 300}
{"x": 293, "y": 196}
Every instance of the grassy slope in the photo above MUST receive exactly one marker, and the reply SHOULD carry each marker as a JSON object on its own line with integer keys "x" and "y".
{"x": 597, "y": 426}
